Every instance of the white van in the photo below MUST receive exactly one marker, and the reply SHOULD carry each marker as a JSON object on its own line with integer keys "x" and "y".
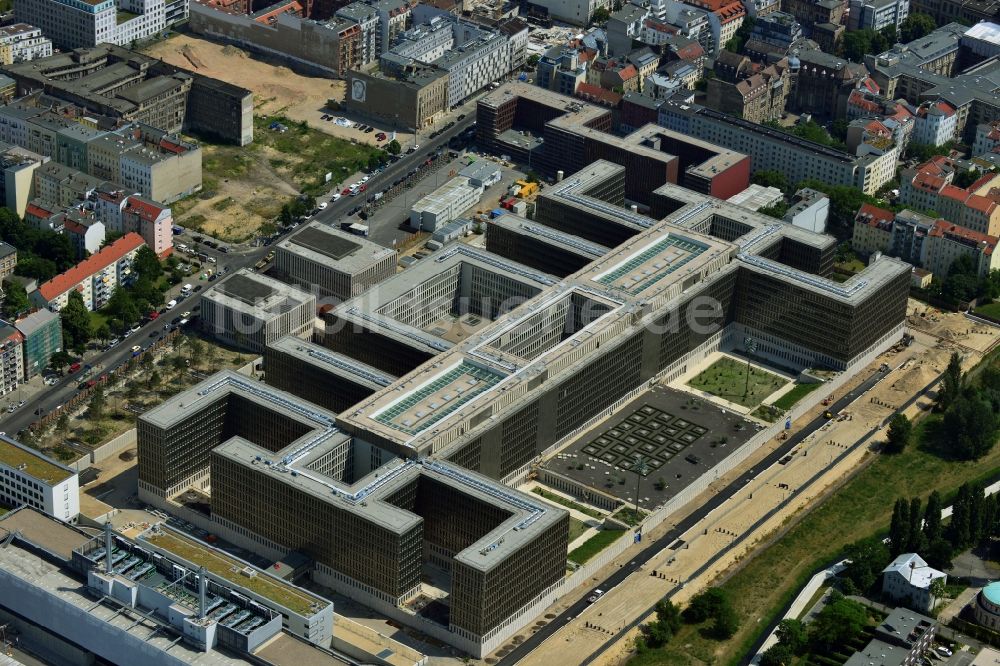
{"x": 186, "y": 289}
{"x": 171, "y": 305}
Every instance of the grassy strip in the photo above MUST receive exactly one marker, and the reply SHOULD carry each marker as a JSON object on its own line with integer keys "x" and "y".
{"x": 798, "y": 392}
{"x": 576, "y": 528}
{"x": 762, "y": 588}
{"x": 628, "y": 515}
{"x": 991, "y": 310}
{"x": 569, "y": 504}
{"x": 594, "y": 545}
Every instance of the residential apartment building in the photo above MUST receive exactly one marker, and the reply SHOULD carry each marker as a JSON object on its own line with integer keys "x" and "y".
{"x": 29, "y": 478}
{"x": 11, "y": 359}
{"x": 872, "y": 232}
{"x": 759, "y": 98}
{"x": 394, "y": 17}
{"x": 901, "y": 639}
{"x": 777, "y": 28}
{"x": 729, "y": 15}
{"x": 929, "y": 186}
{"x": 823, "y": 83}
{"x": 966, "y": 11}
{"x": 877, "y": 14}
{"x": 771, "y": 149}
{"x": 20, "y": 42}
{"x": 811, "y": 13}
{"x": 8, "y": 260}
{"x": 151, "y": 220}
{"x": 42, "y": 332}
{"x": 574, "y": 12}
{"x": 85, "y": 231}
{"x": 159, "y": 166}
{"x": 95, "y": 278}
{"x": 369, "y": 41}
{"x": 934, "y": 123}
{"x": 71, "y": 24}
{"x": 987, "y": 138}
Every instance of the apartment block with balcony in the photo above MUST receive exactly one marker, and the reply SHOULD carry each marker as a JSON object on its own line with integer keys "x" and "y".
{"x": 95, "y": 278}
{"x": 21, "y": 42}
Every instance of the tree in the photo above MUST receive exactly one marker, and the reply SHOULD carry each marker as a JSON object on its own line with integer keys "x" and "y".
{"x": 600, "y": 16}
{"x": 932, "y": 518}
{"x": 917, "y": 542}
{"x": 147, "y": 264}
{"x": 899, "y": 434}
{"x": 97, "y": 403}
{"x": 838, "y": 623}
{"x": 770, "y": 178}
{"x": 726, "y": 623}
{"x": 937, "y": 589}
{"x": 899, "y": 528}
{"x": 939, "y": 554}
{"x": 793, "y": 635}
{"x": 916, "y": 26}
{"x": 868, "y": 557}
{"x": 394, "y": 148}
{"x": 777, "y": 655}
{"x": 15, "y": 299}
{"x": 533, "y": 60}
{"x": 60, "y": 360}
{"x": 969, "y": 426}
{"x": 705, "y": 605}
{"x": 776, "y": 211}
{"x": 844, "y": 204}
{"x": 951, "y": 382}
{"x": 75, "y": 323}
{"x": 62, "y": 424}
{"x": 856, "y": 43}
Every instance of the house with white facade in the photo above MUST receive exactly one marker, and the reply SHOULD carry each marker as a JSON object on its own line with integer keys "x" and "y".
{"x": 908, "y": 579}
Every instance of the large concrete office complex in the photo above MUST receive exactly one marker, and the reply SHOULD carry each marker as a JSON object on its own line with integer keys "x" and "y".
{"x": 28, "y": 478}
{"x": 71, "y": 24}
{"x": 331, "y": 380}
{"x": 337, "y": 264}
{"x": 368, "y": 518}
{"x": 160, "y": 599}
{"x": 539, "y": 246}
{"x": 249, "y": 311}
{"x": 553, "y": 132}
{"x": 112, "y": 81}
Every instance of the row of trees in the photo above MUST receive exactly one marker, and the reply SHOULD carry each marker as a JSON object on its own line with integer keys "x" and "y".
{"x": 971, "y": 423}
{"x": 712, "y": 604}
{"x": 844, "y": 201}
{"x": 857, "y": 43}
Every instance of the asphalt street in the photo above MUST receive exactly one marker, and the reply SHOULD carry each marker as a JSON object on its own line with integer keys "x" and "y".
{"x": 683, "y": 526}
{"x": 239, "y": 256}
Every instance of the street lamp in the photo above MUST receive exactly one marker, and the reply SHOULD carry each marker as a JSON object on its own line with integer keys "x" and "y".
{"x": 750, "y": 345}
{"x": 641, "y": 469}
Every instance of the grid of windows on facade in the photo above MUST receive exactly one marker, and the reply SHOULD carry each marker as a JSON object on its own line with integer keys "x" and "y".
{"x": 16, "y": 489}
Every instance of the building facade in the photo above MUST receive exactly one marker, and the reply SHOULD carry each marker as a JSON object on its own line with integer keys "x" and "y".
{"x": 42, "y": 332}
{"x": 95, "y": 278}
{"x": 28, "y": 478}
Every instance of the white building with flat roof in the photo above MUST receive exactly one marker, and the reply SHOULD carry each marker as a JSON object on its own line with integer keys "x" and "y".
{"x": 445, "y": 204}
{"x": 28, "y": 478}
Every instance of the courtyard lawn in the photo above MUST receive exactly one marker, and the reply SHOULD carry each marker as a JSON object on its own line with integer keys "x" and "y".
{"x": 594, "y": 545}
{"x": 798, "y": 392}
{"x": 727, "y": 378}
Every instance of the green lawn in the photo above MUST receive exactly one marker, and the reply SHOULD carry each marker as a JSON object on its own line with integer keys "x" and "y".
{"x": 863, "y": 506}
{"x": 594, "y": 545}
{"x": 569, "y": 504}
{"x": 727, "y": 378}
{"x": 628, "y": 515}
{"x": 576, "y": 528}
{"x": 798, "y": 392}
{"x": 991, "y": 310}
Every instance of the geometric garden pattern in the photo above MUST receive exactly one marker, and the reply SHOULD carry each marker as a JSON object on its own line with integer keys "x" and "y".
{"x": 650, "y": 432}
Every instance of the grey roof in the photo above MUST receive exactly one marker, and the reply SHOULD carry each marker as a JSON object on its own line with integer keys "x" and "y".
{"x": 6, "y": 249}
{"x": 334, "y": 248}
{"x": 480, "y": 169}
{"x": 29, "y": 325}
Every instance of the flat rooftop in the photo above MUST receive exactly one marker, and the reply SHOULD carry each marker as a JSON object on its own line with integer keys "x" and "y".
{"x": 258, "y": 295}
{"x": 650, "y": 263}
{"x": 287, "y": 650}
{"x": 243, "y": 288}
{"x": 34, "y": 463}
{"x": 332, "y": 247}
{"x": 434, "y": 398}
{"x": 229, "y": 568}
{"x": 331, "y": 361}
{"x": 43, "y": 531}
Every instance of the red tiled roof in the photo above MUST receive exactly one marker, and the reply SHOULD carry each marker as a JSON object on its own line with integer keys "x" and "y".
{"x": 943, "y": 228}
{"x": 96, "y": 262}
{"x": 598, "y": 94}
{"x": 74, "y": 227}
{"x": 873, "y": 215}
{"x": 147, "y": 210}
{"x": 38, "y": 211}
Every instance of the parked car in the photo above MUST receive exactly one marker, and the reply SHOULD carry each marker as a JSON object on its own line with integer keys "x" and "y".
{"x": 136, "y": 350}
{"x": 74, "y": 367}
